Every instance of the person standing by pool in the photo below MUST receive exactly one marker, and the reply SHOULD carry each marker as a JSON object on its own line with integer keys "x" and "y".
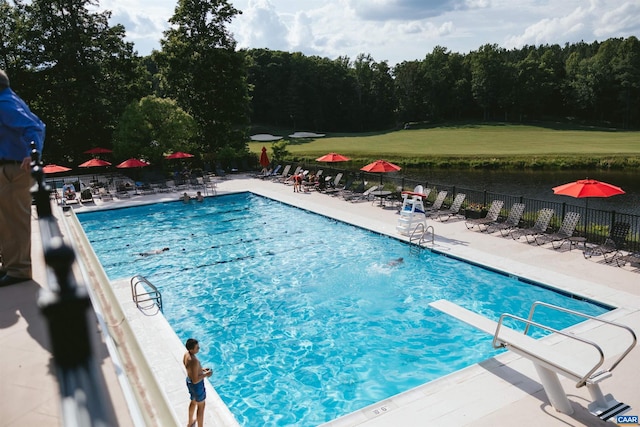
{"x": 18, "y": 128}
{"x": 195, "y": 381}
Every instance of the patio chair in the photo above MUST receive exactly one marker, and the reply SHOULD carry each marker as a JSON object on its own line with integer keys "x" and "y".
{"x": 437, "y": 203}
{"x": 288, "y": 179}
{"x": 364, "y": 196}
{"x": 612, "y": 244}
{"x": 454, "y": 210}
{"x": 269, "y": 175}
{"x": 492, "y": 216}
{"x": 512, "y": 221}
{"x": 539, "y": 227}
{"x": 353, "y": 191}
{"x": 563, "y": 234}
{"x": 632, "y": 258}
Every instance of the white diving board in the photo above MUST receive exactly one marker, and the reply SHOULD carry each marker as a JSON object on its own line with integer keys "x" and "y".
{"x": 548, "y": 361}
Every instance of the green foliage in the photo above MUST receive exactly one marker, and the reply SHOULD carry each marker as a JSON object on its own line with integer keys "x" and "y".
{"x": 152, "y": 127}
{"x": 279, "y": 151}
{"x": 200, "y": 69}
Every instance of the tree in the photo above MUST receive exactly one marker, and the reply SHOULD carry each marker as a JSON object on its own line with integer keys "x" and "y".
{"x": 152, "y": 127}
{"x": 86, "y": 74}
{"x": 201, "y": 70}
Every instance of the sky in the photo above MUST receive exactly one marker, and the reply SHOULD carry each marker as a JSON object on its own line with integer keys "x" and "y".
{"x": 394, "y": 30}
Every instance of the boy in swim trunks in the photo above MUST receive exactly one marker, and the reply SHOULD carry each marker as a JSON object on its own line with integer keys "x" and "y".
{"x": 195, "y": 382}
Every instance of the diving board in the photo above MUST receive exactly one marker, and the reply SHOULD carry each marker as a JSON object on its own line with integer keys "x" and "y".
{"x": 580, "y": 366}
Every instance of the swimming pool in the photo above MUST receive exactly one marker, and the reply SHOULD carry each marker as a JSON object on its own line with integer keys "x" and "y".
{"x": 299, "y": 315}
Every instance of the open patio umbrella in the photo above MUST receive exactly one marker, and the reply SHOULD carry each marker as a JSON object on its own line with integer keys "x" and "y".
{"x": 52, "y": 168}
{"x": 587, "y": 188}
{"x": 93, "y": 163}
{"x": 98, "y": 150}
{"x": 132, "y": 163}
{"x": 381, "y": 166}
{"x": 264, "y": 158}
{"x": 332, "y": 158}
{"x": 179, "y": 155}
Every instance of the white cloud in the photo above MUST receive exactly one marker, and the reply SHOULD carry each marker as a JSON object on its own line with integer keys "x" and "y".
{"x": 395, "y": 30}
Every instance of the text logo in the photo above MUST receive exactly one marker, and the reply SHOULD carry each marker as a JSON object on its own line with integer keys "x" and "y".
{"x": 627, "y": 419}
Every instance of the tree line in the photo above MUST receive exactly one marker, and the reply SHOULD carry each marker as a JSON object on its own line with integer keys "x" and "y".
{"x": 201, "y": 94}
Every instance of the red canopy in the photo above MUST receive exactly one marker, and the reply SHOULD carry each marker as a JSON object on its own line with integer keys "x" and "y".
{"x": 54, "y": 169}
{"x": 380, "y": 166}
{"x": 333, "y": 157}
{"x": 178, "y": 155}
{"x": 264, "y": 159}
{"x": 98, "y": 150}
{"x": 132, "y": 163}
{"x": 94, "y": 163}
{"x": 587, "y": 188}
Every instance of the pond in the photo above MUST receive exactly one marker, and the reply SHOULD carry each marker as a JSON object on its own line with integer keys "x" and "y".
{"x": 539, "y": 184}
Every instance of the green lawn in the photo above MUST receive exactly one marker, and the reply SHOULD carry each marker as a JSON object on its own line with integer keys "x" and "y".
{"x": 470, "y": 144}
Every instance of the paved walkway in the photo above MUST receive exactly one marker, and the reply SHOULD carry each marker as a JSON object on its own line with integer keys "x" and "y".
{"x": 504, "y": 388}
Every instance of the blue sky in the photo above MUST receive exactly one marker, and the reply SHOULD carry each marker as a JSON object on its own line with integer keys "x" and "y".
{"x": 395, "y": 30}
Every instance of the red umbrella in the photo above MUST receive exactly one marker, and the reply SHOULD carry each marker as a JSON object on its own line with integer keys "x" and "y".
{"x": 132, "y": 163}
{"x": 179, "y": 155}
{"x": 54, "y": 169}
{"x": 98, "y": 150}
{"x": 94, "y": 163}
{"x": 381, "y": 166}
{"x": 333, "y": 157}
{"x": 264, "y": 159}
{"x": 586, "y": 188}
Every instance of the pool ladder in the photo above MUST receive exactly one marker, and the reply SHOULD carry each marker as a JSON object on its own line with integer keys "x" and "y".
{"x": 420, "y": 235}
{"x": 143, "y": 291}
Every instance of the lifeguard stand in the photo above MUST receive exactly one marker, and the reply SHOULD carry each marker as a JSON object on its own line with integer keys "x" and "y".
{"x": 411, "y": 214}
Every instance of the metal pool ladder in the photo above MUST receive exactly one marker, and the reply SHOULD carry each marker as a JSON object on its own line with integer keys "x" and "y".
{"x": 143, "y": 291}
{"x": 420, "y": 234}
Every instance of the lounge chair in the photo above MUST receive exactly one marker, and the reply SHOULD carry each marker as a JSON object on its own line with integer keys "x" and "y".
{"x": 454, "y": 210}
{"x": 104, "y": 194}
{"x": 364, "y": 196}
{"x": 86, "y": 196}
{"x": 632, "y": 258}
{"x": 437, "y": 203}
{"x": 563, "y": 234}
{"x": 332, "y": 186}
{"x": 539, "y": 227}
{"x": 612, "y": 244}
{"x": 492, "y": 216}
{"x": 341, "y": 191}
{"x": 273, "y": 174}
{"x": 512, "y": 221}
{"x": 288, "y": 179}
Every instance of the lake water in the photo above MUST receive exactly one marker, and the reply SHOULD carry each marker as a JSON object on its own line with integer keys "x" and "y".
{"x": 539, "y": 184}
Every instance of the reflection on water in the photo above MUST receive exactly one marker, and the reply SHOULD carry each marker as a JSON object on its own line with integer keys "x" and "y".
{"x": 538, "y": 184}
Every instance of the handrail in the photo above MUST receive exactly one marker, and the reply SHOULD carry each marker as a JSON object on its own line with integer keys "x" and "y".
{"x": 577, "y": 313}
{"x": 420, "y": 226}
{"x": 423, "y": 231}
{"x": 154, "y": 295}
{"x": 529, "y": 322}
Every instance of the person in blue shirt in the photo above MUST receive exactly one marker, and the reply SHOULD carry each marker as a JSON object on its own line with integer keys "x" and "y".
{"x": 18, "y": 128}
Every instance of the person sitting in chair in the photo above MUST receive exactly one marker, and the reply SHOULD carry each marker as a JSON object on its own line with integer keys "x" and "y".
{"x": 69, "y": 191}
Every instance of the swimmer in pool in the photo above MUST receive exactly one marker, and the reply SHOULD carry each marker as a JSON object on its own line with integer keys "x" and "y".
{"x": 395, "y": 262}
{"x": 153, "y": 252}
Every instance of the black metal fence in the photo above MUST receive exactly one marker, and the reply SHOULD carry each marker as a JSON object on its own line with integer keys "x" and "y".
{"x": 594, "y": 224}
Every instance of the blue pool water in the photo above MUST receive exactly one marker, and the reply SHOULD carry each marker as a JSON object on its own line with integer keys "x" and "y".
{"x": 299, "y": 315}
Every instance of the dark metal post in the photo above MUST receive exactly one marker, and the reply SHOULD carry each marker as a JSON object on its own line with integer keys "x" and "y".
{"x": 84, "y": 400}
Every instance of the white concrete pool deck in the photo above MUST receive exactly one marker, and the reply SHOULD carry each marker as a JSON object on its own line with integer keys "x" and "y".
{"x": 500, "y": 391}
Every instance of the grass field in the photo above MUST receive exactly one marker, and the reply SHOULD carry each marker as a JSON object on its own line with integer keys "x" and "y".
{"x": 480, "y": 145}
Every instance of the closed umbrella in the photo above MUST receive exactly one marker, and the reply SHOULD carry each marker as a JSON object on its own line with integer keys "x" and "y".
{"x": 381, "y": 166}
{"x": 264, "y": 158}
{"x": 333, "y": 158}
